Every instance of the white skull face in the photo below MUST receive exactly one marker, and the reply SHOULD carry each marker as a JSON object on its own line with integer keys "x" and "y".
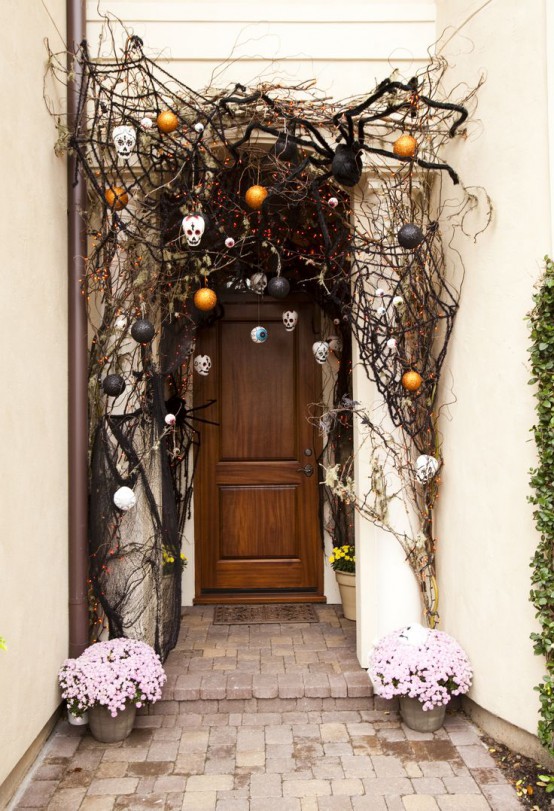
{"x": 258, "y": 283}
{"x": 426, "y": 468}
{"x": 290, "y": 319}
{"x": 321, "y": 351}
{"x": 124, "y": 139}
{"x": 193, "y": 226}
{"x": 203, "y": 364}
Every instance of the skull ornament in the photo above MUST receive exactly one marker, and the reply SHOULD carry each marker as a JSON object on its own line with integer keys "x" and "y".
{"x": 426, "y": 468}
{"x": 124, "y": 138}
{"x": 321, "y": 351}
{"x": 203, "y": 364}
{"x": 258, "y": 283}
{"x": 193, "y": 225}
{"x": 290, "y": 319}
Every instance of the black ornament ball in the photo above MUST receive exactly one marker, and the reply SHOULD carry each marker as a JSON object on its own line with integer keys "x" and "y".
{"x": 346, "y": 166}
{"x": 285, "y": 149}
{"x": 113, "y": 385}
{"x": 410, "y": 235}
{"x": 143, "y": 331}
{"x": 278, "y": 287}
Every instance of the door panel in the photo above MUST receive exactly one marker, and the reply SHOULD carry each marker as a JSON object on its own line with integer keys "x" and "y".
{"x": 256, "y": 513}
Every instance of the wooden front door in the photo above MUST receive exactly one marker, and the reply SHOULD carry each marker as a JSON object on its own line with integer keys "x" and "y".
{"x": 257, "y": 534}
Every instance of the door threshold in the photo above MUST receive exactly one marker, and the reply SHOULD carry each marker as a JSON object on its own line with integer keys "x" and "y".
{"x": 244, "y": 598}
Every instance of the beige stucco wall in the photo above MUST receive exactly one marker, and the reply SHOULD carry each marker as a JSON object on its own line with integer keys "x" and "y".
{"x": 33, "y": 422}
{"x": 485, "y": 528}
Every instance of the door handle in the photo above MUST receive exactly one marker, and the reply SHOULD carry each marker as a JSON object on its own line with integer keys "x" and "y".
{"x": 307, "y": 470}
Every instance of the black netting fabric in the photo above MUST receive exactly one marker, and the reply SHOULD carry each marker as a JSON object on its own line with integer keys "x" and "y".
{"x": 135, "y": 554}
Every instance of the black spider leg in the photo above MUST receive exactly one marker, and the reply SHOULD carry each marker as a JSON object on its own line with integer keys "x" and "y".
{"x": 387, "y": 86}
{"x": 420, "y": 162}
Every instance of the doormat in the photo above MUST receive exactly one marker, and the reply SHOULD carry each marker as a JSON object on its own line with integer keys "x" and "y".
{"x": 257, "y": 614}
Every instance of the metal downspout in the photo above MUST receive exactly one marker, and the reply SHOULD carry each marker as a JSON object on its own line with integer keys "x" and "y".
{"x": 77, "y": 359}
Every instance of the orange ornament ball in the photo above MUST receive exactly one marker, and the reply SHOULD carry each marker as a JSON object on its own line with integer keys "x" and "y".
{"x": 167, "y": 121}
{"x": 205, "y": 299}
{"x": 255, "y": 197}
{"x": 411, "y": 380}
{"x": 116, "y": 197}
{"x": 405, "y": 146}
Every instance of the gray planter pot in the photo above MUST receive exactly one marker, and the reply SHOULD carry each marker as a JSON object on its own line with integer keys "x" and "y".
{"x": 110, "y": 730}
{"x": 415, "y": 717}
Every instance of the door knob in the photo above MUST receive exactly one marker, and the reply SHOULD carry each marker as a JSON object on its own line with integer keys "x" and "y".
{"x": 307, "y": 470}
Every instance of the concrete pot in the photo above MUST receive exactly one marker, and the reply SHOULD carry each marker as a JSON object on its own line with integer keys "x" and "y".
{"x": 347, "y": 588}
{"x": 110, "y": 730}
{"x": 415, "y": 717}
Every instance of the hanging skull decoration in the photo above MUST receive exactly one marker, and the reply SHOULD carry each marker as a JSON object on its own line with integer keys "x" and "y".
{"x": 321, "y": 351}
{"x": 193, "y": 226}
{"x": 124, "y": 138}
{"x": 290, "y": 319}
{"x": 258, "y": 283}
{"x": 426, "y": 468}
{"x": 259, "y": 335}
{"x": 203, "y": 364}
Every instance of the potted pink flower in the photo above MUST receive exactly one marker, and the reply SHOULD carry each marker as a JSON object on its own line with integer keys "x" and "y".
{"x": 110, "y": 680}
{"x": 424, "y": 668}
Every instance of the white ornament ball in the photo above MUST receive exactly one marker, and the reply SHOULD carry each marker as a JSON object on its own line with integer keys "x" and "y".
{"x": 332, "y": 202}
{"x": 124, "y": 499}
{"x": 170, "y": 419}
{"x": 146, "y": 123}
{"x": 199, "y": 127}
{"x": 381, "y": 311}
{"x": 229, "y": 242}
{"x": 391, "y": 343}
{"x": 398, "y": 301}
{"x": 426, "y": 468}
{"x": 380, "y": 292}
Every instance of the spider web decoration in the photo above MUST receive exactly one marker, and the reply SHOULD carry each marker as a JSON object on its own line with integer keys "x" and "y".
{"x": 318, "y": 227}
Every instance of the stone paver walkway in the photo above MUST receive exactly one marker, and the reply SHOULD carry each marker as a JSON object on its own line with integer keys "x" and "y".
{"x": 248, "y": 723}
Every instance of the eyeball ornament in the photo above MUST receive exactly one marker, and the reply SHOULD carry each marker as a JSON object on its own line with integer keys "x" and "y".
{"x": 199, "y": 127}
{"x": 170, "y": 419}
{"x": 426, "y": 468}
{"x": 332, "y": 202}
{"x": 229, "y": 242}
{"x": 259, "y": 335}
{"x": 391, "y": 343}
{"x": 146, "y": 123}
{"x": 124, "y": 499}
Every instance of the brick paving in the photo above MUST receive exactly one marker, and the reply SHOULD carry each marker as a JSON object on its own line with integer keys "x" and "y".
{"x": 268, "y": 718}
